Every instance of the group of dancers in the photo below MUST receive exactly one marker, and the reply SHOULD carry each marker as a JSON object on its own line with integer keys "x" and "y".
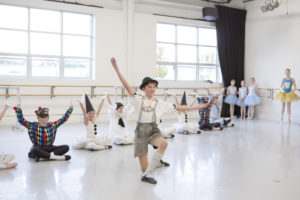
{"x": 150, "y": 128}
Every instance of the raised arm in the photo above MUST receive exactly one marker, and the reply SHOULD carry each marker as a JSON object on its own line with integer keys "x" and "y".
{"x": 66, "y": 116}
{"x": 188, "y": 108}
{"x": 4, "y": 111}
{"x": 122, "y": 79}
{"x": 108, "y": 100}
{"x": 21, "y": 118}
{"x": 85, "y": 119}
{"x": 194, "y": 101}
{"x": 100, "y": 107}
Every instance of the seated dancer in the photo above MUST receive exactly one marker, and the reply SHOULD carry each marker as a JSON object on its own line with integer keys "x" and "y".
{"x": 42, "y": 135}
{"x": 5, "y": 158}
{"x": 149, "y": 109}
{"x": 91, "y": 141}
{"x": 215, "y": 111}
{"x": 205, "y": 115}
{"x": 118, "y": 128}
{"x": 182, "y": 126}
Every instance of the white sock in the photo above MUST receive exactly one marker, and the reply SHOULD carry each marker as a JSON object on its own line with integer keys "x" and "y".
{"x": 155, "y": 162}
{"x": 56, "y": 157}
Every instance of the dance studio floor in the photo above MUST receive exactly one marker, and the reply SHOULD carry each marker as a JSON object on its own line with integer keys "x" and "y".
{"x": 256, "y": 160}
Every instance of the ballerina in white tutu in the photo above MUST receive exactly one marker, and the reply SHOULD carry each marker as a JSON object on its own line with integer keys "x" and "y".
{"x": 6, "y": 158}
{"x": 241, "y": 100}
{"x": 231, "y": 97}
{"x": 252, "y": 99}
{"x": 91, "y": 141}
{"x": 118, "y": 127}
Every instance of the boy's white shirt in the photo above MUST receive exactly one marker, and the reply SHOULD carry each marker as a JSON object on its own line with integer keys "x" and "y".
{"x": 162, "y": 108}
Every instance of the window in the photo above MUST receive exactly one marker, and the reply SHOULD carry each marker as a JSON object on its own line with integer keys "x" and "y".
{"x": 45, "y": 43}
{"x": 187, "y": 53}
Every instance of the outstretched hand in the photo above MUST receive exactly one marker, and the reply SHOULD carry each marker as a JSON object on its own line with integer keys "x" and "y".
{"x": 202, "y": 105}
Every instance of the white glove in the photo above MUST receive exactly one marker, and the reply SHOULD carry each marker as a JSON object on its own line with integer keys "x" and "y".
{"x": 71, "y": 102}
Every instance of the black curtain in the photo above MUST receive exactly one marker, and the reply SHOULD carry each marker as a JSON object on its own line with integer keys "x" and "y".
{"x": 230, "y": 28}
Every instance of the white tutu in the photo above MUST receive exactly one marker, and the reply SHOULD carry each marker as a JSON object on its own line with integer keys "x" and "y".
{"x": 190, "y": 128}
{"x": 126, "y": 139}
{"x": 240, "y": 103}
{"x": 92, "y": 143}
{"x": 230, "y": 99}
{"x": 252, "y": 100}
{"x": 168, "y": 132}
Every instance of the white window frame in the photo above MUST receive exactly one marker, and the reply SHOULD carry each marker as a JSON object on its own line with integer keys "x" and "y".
{"x": 198, "y": 65}
{"x": 61, "y": 57}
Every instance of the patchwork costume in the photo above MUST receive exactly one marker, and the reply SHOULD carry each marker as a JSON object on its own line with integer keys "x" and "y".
{"x": 118, "y": 127}
{"x": 286, "y": 93}
{"x": 91, "y": 141}
{"x": 204, "y": 113}
{"x": 43, "y": 137}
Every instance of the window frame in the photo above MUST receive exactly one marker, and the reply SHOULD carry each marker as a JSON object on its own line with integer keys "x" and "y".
{"x": 61, "y": 34}
{"x": 198, "y": 65}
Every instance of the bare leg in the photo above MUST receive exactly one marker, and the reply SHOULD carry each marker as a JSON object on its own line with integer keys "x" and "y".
{"x": 144, "y": 162}
{"x": 162, "y": 145}
{"x": 252, "y": 113}
{"x": 289, "y": 111}
{"x": 244, "y": 112}
{"x": 231, "y": 111}
{"x": 282, "y": 111}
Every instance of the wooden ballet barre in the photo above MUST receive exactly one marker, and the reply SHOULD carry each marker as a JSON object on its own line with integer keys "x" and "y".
{"x": 100, "y": 86}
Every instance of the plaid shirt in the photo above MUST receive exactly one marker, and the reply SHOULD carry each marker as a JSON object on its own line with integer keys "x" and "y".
{"x": 205, "y": 112}
{"x": 42, "y": 136}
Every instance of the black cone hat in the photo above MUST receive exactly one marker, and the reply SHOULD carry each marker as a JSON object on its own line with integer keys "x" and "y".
{"x": 88, "y": 105}
{"x": 183, "y": 100}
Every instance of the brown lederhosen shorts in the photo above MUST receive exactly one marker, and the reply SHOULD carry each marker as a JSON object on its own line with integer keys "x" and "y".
{"x": 145, "y": 133}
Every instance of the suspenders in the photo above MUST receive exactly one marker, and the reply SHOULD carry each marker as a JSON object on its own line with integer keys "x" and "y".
{"x": 154, "y": 111}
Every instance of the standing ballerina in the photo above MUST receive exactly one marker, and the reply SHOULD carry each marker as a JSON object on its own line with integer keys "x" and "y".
{"x": 231, "y": 97}
{"x": 6, "y": 158}
{"x": 252, "y": 98}
{"x": 287, "y": 94}
{"x": 241, "y": 99}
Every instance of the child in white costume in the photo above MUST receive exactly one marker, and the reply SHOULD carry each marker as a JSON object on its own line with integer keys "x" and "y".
{"x": 91, "y": 141}
{"x": 183, "y": 126}
{"x": 5, "y": 158}
{"x": 118, "y": 127}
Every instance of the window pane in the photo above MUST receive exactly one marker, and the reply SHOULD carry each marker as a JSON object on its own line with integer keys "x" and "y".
{"x": 44, "y": 20}
{"x": 77, "y": 68}
{"x": 207, "y": 74}
{"x": 186, "y": 35}
{"x": 207, "y": 36}
{"x": 13, "y": 66}
{"x": 45, "y": 44}
{"x": 76, "y": 46}
{"x": 165, "y": 72}
{"x": 208, "y": 55}
{"x": 187, "y": 73}
{"x": 165, "y": 33}
{"x": 13, "y": 17}
{"x": 77, "y": 23}
{"x": 165, "y": 52}
{"x": 186, "y": 54}
{"x": 13, "y": 41}
{"x": 45, "y": 67}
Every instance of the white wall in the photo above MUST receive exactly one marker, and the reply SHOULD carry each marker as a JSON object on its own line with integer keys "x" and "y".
{"x": 273, "y": 44}
{"x": 111, "y": 40}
